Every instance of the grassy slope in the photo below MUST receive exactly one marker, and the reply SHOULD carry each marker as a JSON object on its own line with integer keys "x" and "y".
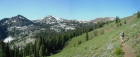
{"x": 103, "y": 45}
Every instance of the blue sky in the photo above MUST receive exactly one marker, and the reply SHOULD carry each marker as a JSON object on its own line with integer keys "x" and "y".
{"x": 69, "y": 9}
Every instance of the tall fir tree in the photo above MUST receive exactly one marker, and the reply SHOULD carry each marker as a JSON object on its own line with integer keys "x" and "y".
{"x": 87, "y": 35}
{"x": 138, "y": 14}
{"x": 125, "y": 22}
{"x": 117, "y": 19}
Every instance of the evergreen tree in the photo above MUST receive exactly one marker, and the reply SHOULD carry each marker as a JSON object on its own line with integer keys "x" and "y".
{"x": 125, "y": 22}
{"x": 2, "y": 54}
{"x": 7, "y": 51}
{"x": 138, "y": 14}
{"x": 120, "y": 24}
{"x": 31, "y": 48}
{"x": 87, "y": 35}
{"x": 117, "y": 19}
{"x": 38, "y": 43}
{"x": 35, "y": 55}
{"x": 46, "y": 51}
{"x": 41, "y": 51}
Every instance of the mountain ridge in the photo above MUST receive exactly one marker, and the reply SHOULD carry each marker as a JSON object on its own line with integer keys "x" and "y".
{"x": 21, "y": 27}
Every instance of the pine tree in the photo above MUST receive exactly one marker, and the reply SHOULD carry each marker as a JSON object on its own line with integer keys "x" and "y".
{"x": 46, "y": 51}
{"x": 7, "y": 51}
{"x": 120, "y": 24}
{"x": 117, "y": 19}
{"x": 87, "y": 35}
{"x": 31, "y": 48}
{"x": 38, "y": 43}
{"x": 98, "y": 24}
{"x": 125, "y": 22}
{"x": 41, "y": 51}
{"x": 95, "y": 26}
{"x": 2, "y": 54}
{"x": 35, "y": 55}
{"x": 138, "y": 14}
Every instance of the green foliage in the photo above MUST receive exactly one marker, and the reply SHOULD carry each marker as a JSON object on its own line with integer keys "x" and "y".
{"x": 107, "y": 22}
{"x": 125, "y": 22}
{"x": 5, "y": 51}
{"x": 95, "y": 33}
{"x": 117, "y": 19}
{"x": 99, "y": 25}
{"x": 120, "y": 24}
{"x": 1, "y": 49}
{"x": 118, "y": 51}
{"x": 88, "y": 49}
{"x": 3, "y": 33}
{"x": 41, "y": 51}
{"x": 138, "y": 14}
{"x": 79, "y": 42}
{"x": 117, "y": 25}
{"x": 138, "y": 55}
{"x": 102, "y": 31}
{"x": 46, "y": 51}
{"x": 47, "y": 45}
{"x": 38, "y": 43}
{"x": 87, "y": 35}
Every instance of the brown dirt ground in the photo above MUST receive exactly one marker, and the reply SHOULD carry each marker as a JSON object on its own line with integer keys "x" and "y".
{"x": 128, "y": 52}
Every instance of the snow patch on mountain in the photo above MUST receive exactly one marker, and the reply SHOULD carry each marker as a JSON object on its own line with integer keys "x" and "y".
{"x": 80, "y": 21}
{"x": 69, "y": 28}
{"x": 19, "y": 27}
{"x": 61, "y": 26}
{"x": 49, "y": 20}
{"x": 58, "y": 19}
{"x": 8, "y": 39}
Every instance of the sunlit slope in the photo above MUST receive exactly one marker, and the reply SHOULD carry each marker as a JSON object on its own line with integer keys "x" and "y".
{"x": 105, "y": 44}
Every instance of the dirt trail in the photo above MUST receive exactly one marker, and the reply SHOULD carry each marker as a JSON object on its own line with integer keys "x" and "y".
{"x": 128, "y": 52}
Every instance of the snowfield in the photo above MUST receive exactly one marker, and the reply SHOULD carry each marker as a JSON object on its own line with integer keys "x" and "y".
{"x": 8, "y": 39}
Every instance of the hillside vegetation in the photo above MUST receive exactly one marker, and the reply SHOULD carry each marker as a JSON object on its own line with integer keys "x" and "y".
{"x": 105, "y": 44}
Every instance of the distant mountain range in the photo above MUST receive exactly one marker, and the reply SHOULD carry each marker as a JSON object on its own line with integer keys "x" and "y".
{"x": 21, "y": 27}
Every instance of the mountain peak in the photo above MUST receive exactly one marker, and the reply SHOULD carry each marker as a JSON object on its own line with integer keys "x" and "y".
{"x": 17, "y": 20}
{"x": 53, "y": 18}
{"x": 20, "y": 17}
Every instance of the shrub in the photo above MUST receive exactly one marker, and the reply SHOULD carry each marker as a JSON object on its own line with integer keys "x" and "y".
{"x": 95, "y": 33}
{"x": 125, "y": 22}
{"x": 138, "y": 55}
{"x": 120, "y": 24}
{"x": 117, "y": 25}
{"x": 118, "y": 51}
{"x": 102, "y": 31}
{"x": 79, "y": 42}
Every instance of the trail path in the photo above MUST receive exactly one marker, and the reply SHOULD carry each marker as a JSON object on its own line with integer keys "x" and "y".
{"x": 128, "y": 52}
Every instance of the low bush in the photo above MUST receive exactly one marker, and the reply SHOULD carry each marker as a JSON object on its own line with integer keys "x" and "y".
{"x": 118, "y": 51}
